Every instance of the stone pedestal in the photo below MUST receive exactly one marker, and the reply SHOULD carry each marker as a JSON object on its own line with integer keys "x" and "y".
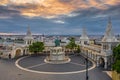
{"x": 57, "y": 56}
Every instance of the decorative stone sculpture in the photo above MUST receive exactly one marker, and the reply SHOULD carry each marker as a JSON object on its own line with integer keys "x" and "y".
{"x": 57, "y": 55}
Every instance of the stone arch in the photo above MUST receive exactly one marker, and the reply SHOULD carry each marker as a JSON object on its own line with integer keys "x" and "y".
{"x": 101, "y": 62}
{"x": 18, "y": 52}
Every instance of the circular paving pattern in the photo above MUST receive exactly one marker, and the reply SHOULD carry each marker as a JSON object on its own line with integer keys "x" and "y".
{"x": 37, "y": 65}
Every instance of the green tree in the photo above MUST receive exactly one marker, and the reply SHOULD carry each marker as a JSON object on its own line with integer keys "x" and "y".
{"x": 71, "y": 45}
{"x": 78, "y": 49}
{"x": 116, "y": 66}
{"x": 116, "y": 52}
{"x": 116, "y": 56}
{"x": 36, "y": 47}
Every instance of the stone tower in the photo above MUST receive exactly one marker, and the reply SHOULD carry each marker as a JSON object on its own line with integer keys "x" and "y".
{"x": 109, "y": 40}
{"x": 84, "y": 38}
{"x": 28, "y": 38}
{"x": 107, "y": 43}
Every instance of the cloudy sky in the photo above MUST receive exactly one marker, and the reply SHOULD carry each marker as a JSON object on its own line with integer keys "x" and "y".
{"x": 59, "y": 16}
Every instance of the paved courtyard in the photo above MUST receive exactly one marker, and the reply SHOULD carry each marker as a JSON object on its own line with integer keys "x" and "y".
{"x": 9, "y": 71}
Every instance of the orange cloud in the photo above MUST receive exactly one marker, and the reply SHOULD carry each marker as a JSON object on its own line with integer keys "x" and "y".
{"x": 4, "y": 2}
{"x": 103, "y": 4}
{"x": 112, "y": 2}
{"x": 52, "y": 8}
{"x": 97, "y": 4}
{"x": 48, "y": 8}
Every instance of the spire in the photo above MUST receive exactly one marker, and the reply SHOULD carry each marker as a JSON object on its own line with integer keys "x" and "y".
{"x": 109, "y": 35}
{"x": 109, "y": 31}
{"x": 84, "y": 38}
{"x": 84, "y": 34}
{"x": 28, "y": 32}
{"x": 28, "y": 38}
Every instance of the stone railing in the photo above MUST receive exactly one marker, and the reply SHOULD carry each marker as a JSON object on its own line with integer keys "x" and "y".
{"x": 115, "y": 75}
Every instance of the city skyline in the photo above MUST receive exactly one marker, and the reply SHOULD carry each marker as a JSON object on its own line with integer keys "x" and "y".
{"x": 58, "y": 17}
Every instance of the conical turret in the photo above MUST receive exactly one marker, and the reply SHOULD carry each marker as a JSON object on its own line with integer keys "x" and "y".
{"x": 28, "y": 32}
{"x": 109, "y": 35}
{"x": 28, "y": 38}
{"x": 84, "y": 38}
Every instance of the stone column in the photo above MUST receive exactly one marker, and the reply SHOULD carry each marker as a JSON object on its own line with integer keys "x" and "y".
{"x": 97, "y": 61}
{"x": 94, "y": 56}
{"x": 109, "y": 46}
{"x": 102, "y": 47}
{"x": 91, "y": 55}
{"x": 105, "y": 66}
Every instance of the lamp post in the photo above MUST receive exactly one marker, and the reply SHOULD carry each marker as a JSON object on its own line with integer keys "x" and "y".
{"x": 87, "y": 67}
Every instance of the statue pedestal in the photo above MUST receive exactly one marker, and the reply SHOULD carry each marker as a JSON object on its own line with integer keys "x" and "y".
{"x": 57, "y": 56}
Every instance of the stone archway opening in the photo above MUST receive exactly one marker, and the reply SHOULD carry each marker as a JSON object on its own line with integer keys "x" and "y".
{"x": 24, "y": 52}
{"x": 18, "y": 53}
{"x": 101, "y": 62}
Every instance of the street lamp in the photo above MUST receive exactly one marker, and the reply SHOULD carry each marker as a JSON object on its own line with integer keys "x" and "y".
{"x": 87, "y": 67}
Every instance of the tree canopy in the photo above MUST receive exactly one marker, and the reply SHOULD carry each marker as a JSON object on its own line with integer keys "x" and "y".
{"x": 36, "y": 47}
{"x": 116, "y": 56}
{"x": 116, "y": 52}
{"x": 116, "y": 66}
{"x": 71, "y": 44}
{"x": 78, "y": 49}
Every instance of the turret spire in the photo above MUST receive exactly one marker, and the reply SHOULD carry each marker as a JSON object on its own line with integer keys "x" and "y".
{"x": 28, "y": 38}
{"x": 109, "y": 31}
{"x": 109, "y": 35}
{"x": 84, "y": 38}
{"x": 84, "y": 34}
{"x": 29, "y": 32}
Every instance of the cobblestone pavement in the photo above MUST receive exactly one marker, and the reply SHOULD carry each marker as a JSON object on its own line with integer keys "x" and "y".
{"x": 8, "y": 71}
